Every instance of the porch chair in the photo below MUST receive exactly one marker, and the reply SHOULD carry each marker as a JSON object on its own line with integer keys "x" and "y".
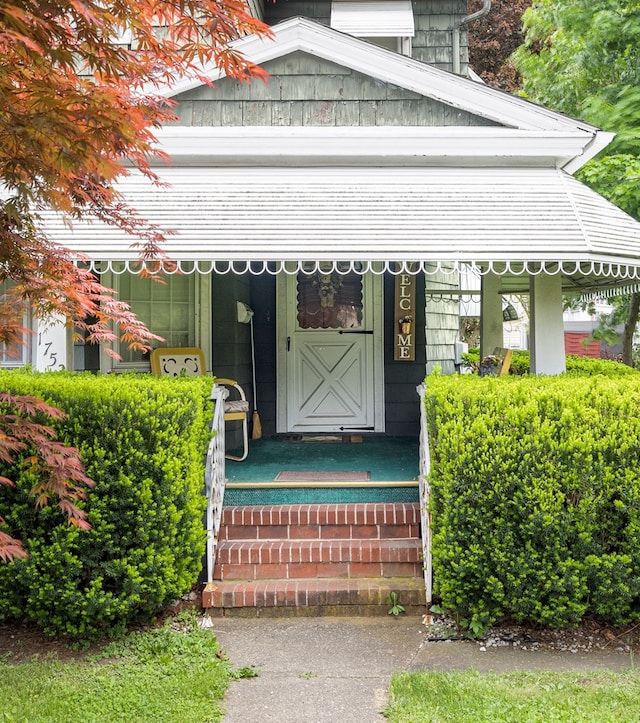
{"x": 189, "y": 362}
{"x": 237, "y": 410}
{"x": 506, "y": 356}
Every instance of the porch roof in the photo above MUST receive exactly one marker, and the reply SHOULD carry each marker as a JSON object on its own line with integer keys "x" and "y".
{"x": 511, "y": 220}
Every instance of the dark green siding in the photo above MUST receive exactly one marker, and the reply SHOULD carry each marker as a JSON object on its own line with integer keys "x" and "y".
{"x": 230, "y": 341}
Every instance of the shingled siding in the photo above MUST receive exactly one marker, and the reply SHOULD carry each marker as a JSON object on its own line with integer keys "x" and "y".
{"x": 231, "y": 356}
{"x": 276, "y": 12}
{"x": 433, "y": 41}
{"x": 434, "y": 20}
{"x": 307, "y": 91}
{"x": 441, "y": 322}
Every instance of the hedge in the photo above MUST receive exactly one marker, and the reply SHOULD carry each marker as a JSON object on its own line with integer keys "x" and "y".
{"x": 142, "y": 440}
{"x": 535, "y": 498}
{"x": 576, "y": 365}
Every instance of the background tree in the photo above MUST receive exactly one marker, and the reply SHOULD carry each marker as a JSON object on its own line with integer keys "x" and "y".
{"x": 584, "y": 59}
{"x": 80, "y": 82}
{"x": 492, "y": 40}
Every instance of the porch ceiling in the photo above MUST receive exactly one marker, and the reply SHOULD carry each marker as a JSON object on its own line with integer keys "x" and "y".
{"x": 511, "y": 219}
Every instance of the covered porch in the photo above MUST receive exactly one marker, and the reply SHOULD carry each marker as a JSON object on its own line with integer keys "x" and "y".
{"x": 382, "y": 207}
{"x": 378, "y": 204}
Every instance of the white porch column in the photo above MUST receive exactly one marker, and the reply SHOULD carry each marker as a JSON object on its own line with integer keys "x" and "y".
{"x": 491, "y": 321}
{"x": 546, "y": 328}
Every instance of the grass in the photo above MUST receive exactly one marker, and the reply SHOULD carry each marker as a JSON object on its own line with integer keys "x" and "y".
{"x": 175, "y": 673}
{"x": 468, "y": 696}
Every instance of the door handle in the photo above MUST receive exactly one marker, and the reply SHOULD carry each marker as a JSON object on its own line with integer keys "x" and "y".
{"x": 288, "y": 343}
{"x": 356, "y": 331}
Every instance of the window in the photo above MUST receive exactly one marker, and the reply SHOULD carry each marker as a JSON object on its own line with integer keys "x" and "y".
{"x": 168, "y": 309}
{"x": 329, "y": 301}
{"x": 388, "y": 23}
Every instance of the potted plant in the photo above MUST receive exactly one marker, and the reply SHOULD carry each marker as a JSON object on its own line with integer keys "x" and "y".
{"x": 405, "y": 324}
{"x": 490, "y": 366}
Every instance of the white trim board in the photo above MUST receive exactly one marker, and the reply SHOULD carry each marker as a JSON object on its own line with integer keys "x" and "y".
{"x": 374, "y": 145}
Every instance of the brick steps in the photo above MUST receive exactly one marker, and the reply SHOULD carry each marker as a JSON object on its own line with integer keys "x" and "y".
{"x": 317, "y": 559}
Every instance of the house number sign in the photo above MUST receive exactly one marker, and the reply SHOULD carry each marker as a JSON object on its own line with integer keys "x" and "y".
{"x": 404, "y": 318}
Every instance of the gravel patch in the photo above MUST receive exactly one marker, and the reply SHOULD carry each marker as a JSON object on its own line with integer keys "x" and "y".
{"x": 589, "y": 636}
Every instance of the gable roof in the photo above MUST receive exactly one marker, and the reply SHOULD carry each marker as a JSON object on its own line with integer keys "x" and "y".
{"x": 302, "y": 34}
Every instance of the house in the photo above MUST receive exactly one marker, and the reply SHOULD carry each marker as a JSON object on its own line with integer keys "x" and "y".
{"x": 359, "y": 166}
{"x": 340, "y": 200}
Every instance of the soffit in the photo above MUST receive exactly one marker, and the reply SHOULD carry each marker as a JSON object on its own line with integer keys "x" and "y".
{"x": 368, "y": 146}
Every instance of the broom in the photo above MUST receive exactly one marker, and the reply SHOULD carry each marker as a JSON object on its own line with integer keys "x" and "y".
{"x": 256, "y": 426}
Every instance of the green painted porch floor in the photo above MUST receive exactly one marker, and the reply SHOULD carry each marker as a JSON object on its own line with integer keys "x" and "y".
{"x": 387, "y": 459}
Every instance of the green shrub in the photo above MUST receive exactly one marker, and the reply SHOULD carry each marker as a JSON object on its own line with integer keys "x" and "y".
{"x": 585, "y": 366}
{"x": 142, "y": 440}
{"x": 536, "y": 497}
{"x": 576, "y": 365}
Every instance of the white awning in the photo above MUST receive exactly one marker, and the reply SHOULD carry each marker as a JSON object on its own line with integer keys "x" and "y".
{"x": 515, "y": 221}
{"x": 379, "y": 18}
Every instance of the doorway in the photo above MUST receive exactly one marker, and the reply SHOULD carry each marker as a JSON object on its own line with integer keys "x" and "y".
{"x": 330, "y": 352}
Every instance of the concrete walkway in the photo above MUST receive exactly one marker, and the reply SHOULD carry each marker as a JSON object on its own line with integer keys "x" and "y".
{"x": 337, "y": 670}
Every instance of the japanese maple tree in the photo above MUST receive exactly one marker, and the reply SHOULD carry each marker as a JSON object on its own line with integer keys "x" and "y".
{"x": 81, "y": 87}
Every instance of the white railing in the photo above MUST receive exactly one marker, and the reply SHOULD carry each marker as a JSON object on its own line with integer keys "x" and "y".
{"x": 425, "y": 491}
{"x": 214, "y": 476}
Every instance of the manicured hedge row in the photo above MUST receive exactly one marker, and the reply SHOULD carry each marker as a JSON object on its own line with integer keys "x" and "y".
{"x": 580, "y": 365}
{"x": 536, "y": 497}
{"x": 142, "y": 440}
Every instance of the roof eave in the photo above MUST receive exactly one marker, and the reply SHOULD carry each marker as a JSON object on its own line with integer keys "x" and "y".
{"x": 599, "y": 142}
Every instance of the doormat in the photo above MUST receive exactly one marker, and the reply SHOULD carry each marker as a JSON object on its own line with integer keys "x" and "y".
{"x": 347, "y": 438}
{"x": 339, "y": 476}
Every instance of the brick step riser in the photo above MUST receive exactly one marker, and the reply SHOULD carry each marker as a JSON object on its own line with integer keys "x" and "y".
{"x": 312, "y": 570}
{"x": 401, "y": 514}
{"x": 290, "y": 594}
{"x": 275, "y": 552}
{"x": 289, "y": 559}
{"x": 319, "y": 532}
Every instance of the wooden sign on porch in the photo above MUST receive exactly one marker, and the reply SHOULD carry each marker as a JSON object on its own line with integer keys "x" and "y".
{"x": 404, "y": 348}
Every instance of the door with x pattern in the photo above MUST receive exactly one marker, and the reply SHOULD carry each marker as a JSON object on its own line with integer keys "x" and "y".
{"x": 330, "y": 353}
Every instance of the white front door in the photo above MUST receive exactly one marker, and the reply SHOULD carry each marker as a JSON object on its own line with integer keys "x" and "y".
{"x": 330, "y": 356}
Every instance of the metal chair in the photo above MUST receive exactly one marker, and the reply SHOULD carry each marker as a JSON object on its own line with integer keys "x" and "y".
{"x": 189, "y": 361}
{"x": 237, "y": 410}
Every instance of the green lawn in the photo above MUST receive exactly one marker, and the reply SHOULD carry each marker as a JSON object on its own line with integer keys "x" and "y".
{"x": 515, "y": 697}
{"x": 163, "y": 675}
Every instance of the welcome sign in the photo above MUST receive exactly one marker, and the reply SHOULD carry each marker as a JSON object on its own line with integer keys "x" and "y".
{"x": 405, "y": 317}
